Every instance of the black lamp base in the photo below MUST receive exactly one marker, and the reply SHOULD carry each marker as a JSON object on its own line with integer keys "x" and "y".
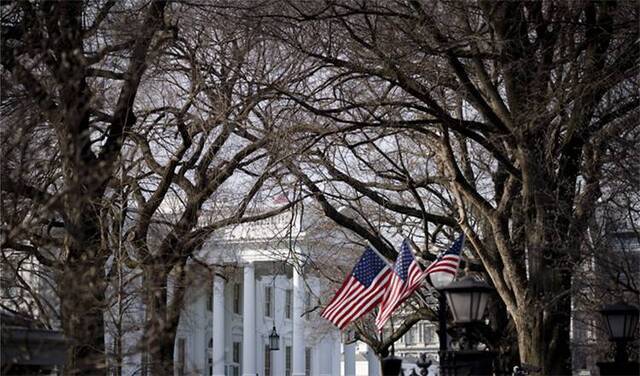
{"x": 619, "y": 368}
{"x": 467, "y": 363}
{"x": 391, "y": 366}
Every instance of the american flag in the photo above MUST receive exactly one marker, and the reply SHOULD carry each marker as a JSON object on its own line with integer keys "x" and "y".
{"x": 448, "y": 261}
{"x": 361, "y": 291}
{"x": 406, "y": 278}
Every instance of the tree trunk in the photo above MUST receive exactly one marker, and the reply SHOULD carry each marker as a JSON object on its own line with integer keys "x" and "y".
{"x": 557, "y": 321}
{"x": 161, "y": 357}
{"x": 530, "y": 340}
{"x": 82, "y": 298}
{"x": 543, "y": 336}
{"x": 159, "y": 333}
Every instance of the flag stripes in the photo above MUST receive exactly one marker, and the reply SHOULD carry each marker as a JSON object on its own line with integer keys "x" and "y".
{"x": 372, "y": 282}
{"x": 361, "y": 291}
{"x": 406, "y": 278}
{"x": 365, "y": 303}
{"x": 449, "y": 261}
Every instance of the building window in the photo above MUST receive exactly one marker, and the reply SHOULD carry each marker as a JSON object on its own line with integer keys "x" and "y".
{"x": 409, "y": 337}
{"x": 268, "y": 301}
{"x": 234, "y": 369}
{"x": 237, "y": 298}
{"x": 287, "y": 361}
{"x": 267, "y": 361}
{"x": 288, "y": 304}
{"x": 210, "y": 298}
{"x": 427, "y": 333}
{"x": 236, "y": 352}
{"x": 181, "y": 356}
{"x": 307, "y": 361}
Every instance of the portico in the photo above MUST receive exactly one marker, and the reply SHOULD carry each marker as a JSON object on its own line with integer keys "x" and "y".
{"x": 251, "y": 286}
{"x": 268, "y": 298}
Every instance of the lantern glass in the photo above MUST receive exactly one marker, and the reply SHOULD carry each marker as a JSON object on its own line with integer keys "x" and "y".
{"x": 483, "y": 301}
{"x": 274, "y": 340}
{"x": 467, "y": 306}
{"x": 441, "y": 279}
{"x": 468, "y": 299}
{"x": 621, "y": 321}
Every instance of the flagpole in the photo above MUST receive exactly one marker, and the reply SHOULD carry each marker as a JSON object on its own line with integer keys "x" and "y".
{"x": 391, "y": 266}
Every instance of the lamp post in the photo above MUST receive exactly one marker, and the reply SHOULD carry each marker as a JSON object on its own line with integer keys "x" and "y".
{"x": 621, "y": 321}
{"x": 440, "y": 280}
{"x": 468, "y": 299}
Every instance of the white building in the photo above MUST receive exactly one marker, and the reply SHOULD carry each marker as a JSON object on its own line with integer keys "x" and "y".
{"x": 421, "y": 338}
{"x": 260, "y": 283}
{"x": 244, "y": 282}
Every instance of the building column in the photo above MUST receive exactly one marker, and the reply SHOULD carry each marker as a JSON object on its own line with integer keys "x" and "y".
{"x": 298, "y": 345}
{"x": 249, "y": 321}
{"x": 373, "y": 363}
{"x": 349, "y": 359}
{"x": 217, "y": 327}
{"x": 335, "y": 357}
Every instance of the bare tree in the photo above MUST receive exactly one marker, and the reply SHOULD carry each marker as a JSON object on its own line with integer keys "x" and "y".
{"x": 501, "y": 120}
{"x": 115, "y": 187}
{"x": 493, "y": 118}
{"x": 56, "y": 58}
{"x": 210, "y": 155}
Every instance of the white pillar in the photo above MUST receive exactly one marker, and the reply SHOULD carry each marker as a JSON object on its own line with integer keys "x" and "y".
{"x": 373, "y": 363}
{"x": 335, "y": 357}
{"x": 298, "y": 345}
{"x": 249, "y": 321}
{"x": 349, "y": 359}
{"x": 218, "y": 326}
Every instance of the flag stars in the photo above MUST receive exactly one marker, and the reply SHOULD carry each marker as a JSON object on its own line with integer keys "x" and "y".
{"x": 368, "y": 268}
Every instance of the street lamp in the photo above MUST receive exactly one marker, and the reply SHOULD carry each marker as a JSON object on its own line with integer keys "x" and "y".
{"x": 621, "y": 321}
{"x": 468, "y": 299}
{"x": 274, "y": 340}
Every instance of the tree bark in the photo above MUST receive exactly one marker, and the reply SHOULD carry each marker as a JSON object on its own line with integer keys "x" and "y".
{"x": 162, "y": 314}
{"x": 82, "y": 298}
{"x": 542, "y": 344}
{"x": 530, "y": 342}
{"x": 159, "y": 342}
